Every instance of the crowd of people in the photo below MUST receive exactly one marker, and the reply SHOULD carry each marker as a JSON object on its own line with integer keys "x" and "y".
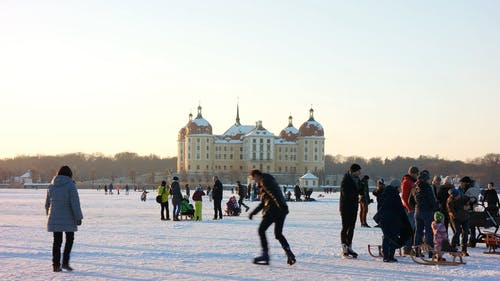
{"x": 409, "y": 211}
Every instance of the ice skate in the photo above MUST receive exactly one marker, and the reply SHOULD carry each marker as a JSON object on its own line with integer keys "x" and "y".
{"x": 262, "y": 260}
{"x": 67, "y": 267}
{"x": 290, "y": 257}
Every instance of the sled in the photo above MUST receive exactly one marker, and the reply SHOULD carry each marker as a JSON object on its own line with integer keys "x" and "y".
{"x": 185, "y": 217}
{"x": 379, "y": 247}
{"x": 492, "y": 241}
{"x": 419, "y": 252}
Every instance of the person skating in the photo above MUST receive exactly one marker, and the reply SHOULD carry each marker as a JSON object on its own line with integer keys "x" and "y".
{"x": 350, "y": 189}
{"x": 274, "y": 210}
{"x": 62, "y": 206}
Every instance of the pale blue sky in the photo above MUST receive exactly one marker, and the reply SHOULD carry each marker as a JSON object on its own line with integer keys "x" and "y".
{"x": 385, "y": 78}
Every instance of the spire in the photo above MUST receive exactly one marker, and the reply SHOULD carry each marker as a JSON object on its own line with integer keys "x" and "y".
{"x": 199, "y": 112}
{"x": 190, "y": 116}
{"x": 311, "y": 114}
{"x": 290, "y": 121}
{"x": 238, "y": 115}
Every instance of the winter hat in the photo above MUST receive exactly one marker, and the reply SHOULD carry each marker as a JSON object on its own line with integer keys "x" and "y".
{"x": 396, "y": 183}
{"x": 466, "y": 179}
{"x": 438, "y": 216}
{"x": 354, "y": 168}
{"x": 424, "y": 175}
{"x": 175, "y": 178}
{"x": 380, "y": 181}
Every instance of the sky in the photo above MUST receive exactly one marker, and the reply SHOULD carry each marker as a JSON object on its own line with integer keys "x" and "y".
{"x": 385, "y": 78}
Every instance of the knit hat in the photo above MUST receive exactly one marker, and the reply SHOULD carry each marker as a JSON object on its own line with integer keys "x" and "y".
{"x": 198, "y": 188}
{"x": 354, "y": 168}
{"x": 175, "y": 178}
{"x": 438, "y": 216}
{"x": 424, "y": 175}
{"x": 395, "y": 183}
{"x": 413, "y": 170}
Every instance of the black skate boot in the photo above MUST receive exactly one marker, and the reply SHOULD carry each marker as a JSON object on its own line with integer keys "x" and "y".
{"x": 67, "y": 267}
{"x": 351, "y": 253}
{"x": 290, "y": 257}
{"x": 263, "y": 260}
{"x": 56, "y": 268}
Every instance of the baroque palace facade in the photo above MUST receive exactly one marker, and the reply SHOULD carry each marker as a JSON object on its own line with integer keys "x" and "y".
{"x": 231, "y": 155}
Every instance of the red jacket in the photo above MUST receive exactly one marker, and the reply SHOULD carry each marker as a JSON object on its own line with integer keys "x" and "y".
{"x": 407, "y": 184}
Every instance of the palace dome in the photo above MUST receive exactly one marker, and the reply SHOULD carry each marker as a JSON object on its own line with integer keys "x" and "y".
{"x": 198, "y": 126}
{"x": 290, "y": 133}
{"x": 311, "y": 128}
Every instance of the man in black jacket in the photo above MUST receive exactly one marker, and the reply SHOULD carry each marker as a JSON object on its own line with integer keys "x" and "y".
{"x": 350, "y": 191}
{"x": 217, "y": 196}
{"x": 274, "y": 210}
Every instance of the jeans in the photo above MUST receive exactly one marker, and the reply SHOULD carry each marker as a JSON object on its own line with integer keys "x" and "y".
{"x": 461, "y": 228}
{"x": 56, "y": 248}
{"x": 423, "y": 221}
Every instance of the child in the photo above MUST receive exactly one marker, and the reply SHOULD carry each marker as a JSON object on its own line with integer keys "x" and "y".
{"x": 441, "y": 242}
{"x": 186, "y": 208}
{"x": 198, "y": 202}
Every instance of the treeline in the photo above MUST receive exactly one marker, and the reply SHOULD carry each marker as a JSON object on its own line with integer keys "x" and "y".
{"x": 87, "y": 167}
{"x": 484, "y": 169}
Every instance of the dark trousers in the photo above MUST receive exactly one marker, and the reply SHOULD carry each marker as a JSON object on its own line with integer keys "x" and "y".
{"x": 56, "y": 248}
{"x": 217, "y": 208}
{"x": 164, "y": 210}
{"x": 240, "y": 202}
{"x": 348, "y": 224}
{"x": 278, "y": 221}
{"x": 389, "y": 241}
{"x": 461, "y": 230}
{"x": 363, "y": 211}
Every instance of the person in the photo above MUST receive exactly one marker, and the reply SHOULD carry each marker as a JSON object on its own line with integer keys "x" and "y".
{"x": 232, "y": 207}
{"x": 217, "y": 197}
{"x": 62, "y": 206}
{"x": 441, "y": 242}
{"x": 274, "y": 210}
{"x": 392, "y": 218}
{"x": 187, "y": 209}
{"x": 459, "y": 218}
{"x": 164, "y": 191}
{"x": 468, "y": 187}
{"x": 379, "y": 188}
{"x": 144, "y": 195}
{"x": 442, "y": 196}
{"x": 425, "y": 205}
{"x": 110, "y": 188}
{"x": 198, "y": 203}
{"x": 242, "y": 193}
{"x": 188, "y": 190}
{"x": 364, "y": 200}
{"x": 491, "y": 199}
{"x": 436, "y": 185}
{"x": 297, "y": 192}
{"x": 175, "y": 190}
{"x": 350, "y": 189}
{"x": 407, "y": 188}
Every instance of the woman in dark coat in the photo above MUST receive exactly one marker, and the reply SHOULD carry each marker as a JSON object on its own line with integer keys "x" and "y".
{"x": 62, "y": 206}
{"x": 393, "y": 221}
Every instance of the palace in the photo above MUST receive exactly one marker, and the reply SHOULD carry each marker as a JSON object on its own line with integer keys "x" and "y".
{"x": 231, "y": 155}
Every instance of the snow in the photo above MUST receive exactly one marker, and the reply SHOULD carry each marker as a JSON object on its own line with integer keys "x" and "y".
{"x": 238, "y": 130}
{"x": 123, "y": 238}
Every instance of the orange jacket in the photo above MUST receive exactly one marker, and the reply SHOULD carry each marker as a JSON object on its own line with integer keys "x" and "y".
{"x": 407, "y": 184}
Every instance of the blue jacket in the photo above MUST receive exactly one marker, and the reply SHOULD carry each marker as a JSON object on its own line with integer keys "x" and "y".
{"x": 62, "y": 205}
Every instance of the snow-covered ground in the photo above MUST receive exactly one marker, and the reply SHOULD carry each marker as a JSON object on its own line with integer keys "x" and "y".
{"x": 123, "y": 238}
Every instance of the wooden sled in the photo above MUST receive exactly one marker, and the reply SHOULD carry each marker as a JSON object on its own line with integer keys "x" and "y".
{"x": 379, "y": 249}
{"x": 492, "y": 241}
{"x": 185, "y": 217}
{"x": 424, "y": 250}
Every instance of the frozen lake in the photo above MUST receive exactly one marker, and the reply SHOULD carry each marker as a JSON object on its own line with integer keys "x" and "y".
{"x": 122, "y": 238}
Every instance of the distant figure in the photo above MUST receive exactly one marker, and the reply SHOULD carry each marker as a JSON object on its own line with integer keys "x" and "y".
{"x": 110, "y": 188}
{"x": 217, "y": 196}
{"x": 127, "y": 188}
{"x": 188, "y": 190}
{"x": 274, "y": 210}
{"x": 62, "y": 206}
{"x": 408, "y": 185}
{"x": 105, "y": 189}
{"x": 491, "y": 199}
{"x": 364, "y": 201}
{"x": 198, "y": 203}
{"x": 425, "y": 204}
{"x": 297, "y": 192}
{"x": 175, "y": 190}
{"x": 242, "y": 191}
{"x": 144, "y": 195}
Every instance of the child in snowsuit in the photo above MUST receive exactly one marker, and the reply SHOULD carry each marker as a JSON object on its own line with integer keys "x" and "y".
{"x": 198, "y": 202}
{"x": 441, "y": 242}
{"x": 186, "y": 208}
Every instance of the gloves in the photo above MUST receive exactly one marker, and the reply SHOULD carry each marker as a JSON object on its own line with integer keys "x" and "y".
{"x": 78, "y": 222}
